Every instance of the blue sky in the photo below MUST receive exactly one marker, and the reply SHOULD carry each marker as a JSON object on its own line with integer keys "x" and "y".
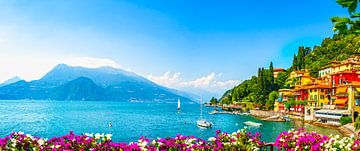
{"x": 191, "y": 45}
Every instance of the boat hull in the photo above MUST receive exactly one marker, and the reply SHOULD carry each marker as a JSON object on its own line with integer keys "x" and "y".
{"x": 204, "y": 124}
{"x": 249, "y": 123}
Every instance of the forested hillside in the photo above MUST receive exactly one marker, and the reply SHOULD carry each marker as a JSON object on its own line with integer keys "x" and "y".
{"x": 262, "y": 89}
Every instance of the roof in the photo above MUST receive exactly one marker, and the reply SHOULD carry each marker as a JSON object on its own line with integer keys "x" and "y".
{"x": 333, "y": 111}
{"x": 284, "y": 90}
{"x": 279, "y": 69}
{"x": 345, "y": 71}
{"x": 340, "y": 101}
{"x": 321, "y": 86}
{"x": 341, "y": 90}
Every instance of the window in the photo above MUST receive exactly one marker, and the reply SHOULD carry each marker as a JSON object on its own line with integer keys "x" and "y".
{"x": 311, "y": 97}
{"x": 315, "y": 97}
{"x": 322, "y": 90}
{"x": 321, "y": 96}
{"x": 357, "y": 102}
{"x": 310, "y": 90}
{"x": 315, "y": 90}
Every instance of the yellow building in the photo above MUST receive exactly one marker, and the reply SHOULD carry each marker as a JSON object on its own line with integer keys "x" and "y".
{"x": 348, "y": 98}
{"x": 299, "y": 78}
{"x": 319, "y": 95}
{"x": 349, "y": 64}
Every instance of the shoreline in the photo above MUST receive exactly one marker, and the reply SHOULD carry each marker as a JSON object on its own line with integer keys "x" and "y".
{"x": 345, "y": 130}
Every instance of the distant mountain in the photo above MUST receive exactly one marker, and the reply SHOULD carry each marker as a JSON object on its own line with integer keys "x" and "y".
{"x": 102, "y": 76}
{"x": 10, "y": 81}
{"x": 65, "y": 82}
{"x": 79, "y": 89}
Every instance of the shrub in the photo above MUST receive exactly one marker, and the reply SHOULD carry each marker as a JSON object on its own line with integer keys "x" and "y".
{"x": 357, "y": 123}
{"x": 345, "y": 119}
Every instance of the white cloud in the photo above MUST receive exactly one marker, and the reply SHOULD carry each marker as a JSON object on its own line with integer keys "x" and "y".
{"x": 209, "y": 82}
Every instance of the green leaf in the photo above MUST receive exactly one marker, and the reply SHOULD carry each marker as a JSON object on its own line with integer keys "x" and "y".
{"x": 355, "y": 15}
{"x": 350, "y": 4}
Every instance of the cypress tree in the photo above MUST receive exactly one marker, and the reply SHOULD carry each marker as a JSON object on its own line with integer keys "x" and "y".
{"x": 300, "y": 58}
{"x": 260, "y": 79}
{"x": 294, "y": 64}
{"x": 271, "y": 73}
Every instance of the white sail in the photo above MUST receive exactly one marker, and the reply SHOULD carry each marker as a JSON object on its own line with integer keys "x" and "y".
{"x": 178, "y": 104}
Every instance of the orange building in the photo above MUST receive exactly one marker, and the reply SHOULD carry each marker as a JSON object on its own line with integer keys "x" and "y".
{"x": 277, "y": 71}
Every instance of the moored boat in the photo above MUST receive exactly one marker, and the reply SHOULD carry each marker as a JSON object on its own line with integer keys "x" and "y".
{"x": 202, "y": 122}
{"x": 249, "y": 123}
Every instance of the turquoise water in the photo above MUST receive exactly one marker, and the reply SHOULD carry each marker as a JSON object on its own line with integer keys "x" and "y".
{"x": 130, "y": 120}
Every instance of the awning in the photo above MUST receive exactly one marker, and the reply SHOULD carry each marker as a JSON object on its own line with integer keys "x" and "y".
{"x": 341, "y": 90}
{"x": 340, "y": 101}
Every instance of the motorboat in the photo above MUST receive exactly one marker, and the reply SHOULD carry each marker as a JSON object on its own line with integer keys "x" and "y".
{"x": 249, "y": 123}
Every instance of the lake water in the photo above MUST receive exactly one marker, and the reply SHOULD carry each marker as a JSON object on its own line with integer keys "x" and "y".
{"x": 130, "y": 120}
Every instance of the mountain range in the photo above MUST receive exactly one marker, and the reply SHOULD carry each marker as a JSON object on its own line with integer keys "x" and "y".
{"x": 10, "y": 81}
{"x": 65, "y": 82}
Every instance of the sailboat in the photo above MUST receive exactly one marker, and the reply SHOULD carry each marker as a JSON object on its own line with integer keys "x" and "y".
{"x": 178, "y": 108}
{"x": 202, "y": 122}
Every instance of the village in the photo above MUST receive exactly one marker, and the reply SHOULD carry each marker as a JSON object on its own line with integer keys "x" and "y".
{"x": 324, "y": 99}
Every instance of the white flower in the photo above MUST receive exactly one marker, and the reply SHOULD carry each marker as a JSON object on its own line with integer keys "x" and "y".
{"x": 41, "y": 142}
{"x": 13, "y": 140}
{"x": 89, "y": 135}
{"x": 337, "y": 136}
{"x": 97, "y": 136}
{"x": 21, "y": 133}
{"x": 153, "y": 142}
{"x": 108, "y": 136}
{"x": 212, "y": 139}
{"x": 29, "y": 136}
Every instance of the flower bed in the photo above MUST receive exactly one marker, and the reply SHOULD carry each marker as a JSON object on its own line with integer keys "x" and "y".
{"x": 301, "y": 140}
{"x": 240, "y": 140}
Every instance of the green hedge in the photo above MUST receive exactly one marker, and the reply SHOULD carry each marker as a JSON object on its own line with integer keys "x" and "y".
{"x": 345, "y": 119}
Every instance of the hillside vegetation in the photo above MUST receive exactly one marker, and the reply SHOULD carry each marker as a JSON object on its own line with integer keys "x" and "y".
{"x": 262, "y": 89}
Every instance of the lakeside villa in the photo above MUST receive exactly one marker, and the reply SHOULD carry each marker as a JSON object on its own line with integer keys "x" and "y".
{"x": 332, "y": 95}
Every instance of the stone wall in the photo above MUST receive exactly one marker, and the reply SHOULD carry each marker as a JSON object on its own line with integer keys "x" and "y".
{"x": 261, "y": 113}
